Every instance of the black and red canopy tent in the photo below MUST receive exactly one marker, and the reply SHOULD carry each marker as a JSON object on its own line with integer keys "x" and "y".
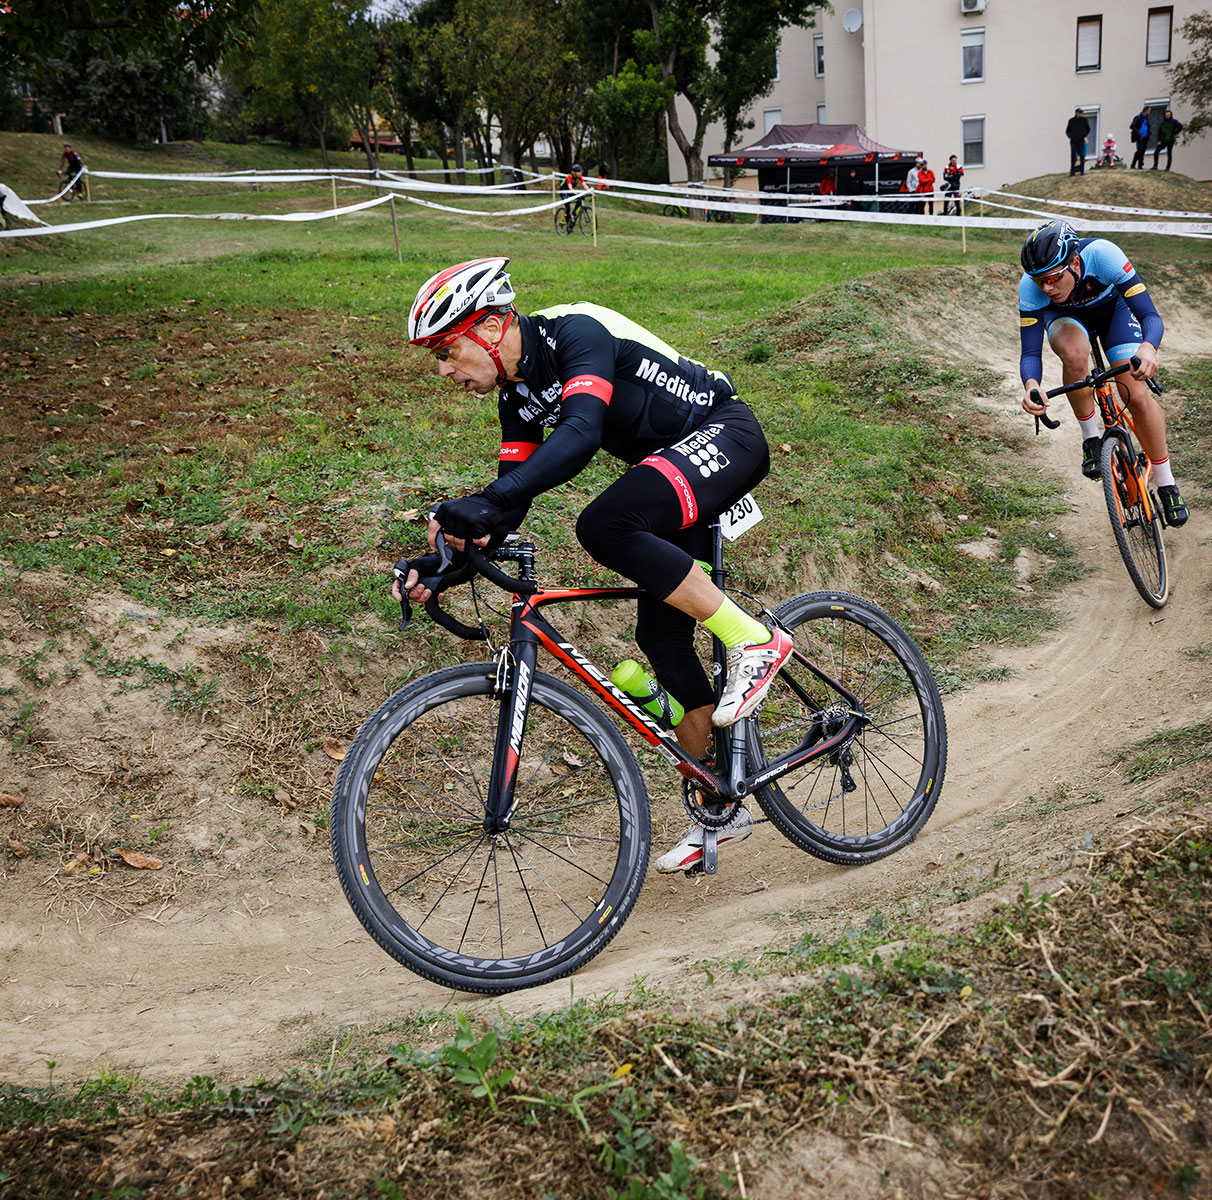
{"x": 796, "y": 158}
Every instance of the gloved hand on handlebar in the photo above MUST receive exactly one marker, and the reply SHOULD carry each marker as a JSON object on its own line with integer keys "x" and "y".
{"x": 472, "y": 517}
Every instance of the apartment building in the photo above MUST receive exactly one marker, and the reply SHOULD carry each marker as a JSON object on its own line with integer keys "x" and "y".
{"x": 991, "y": 81}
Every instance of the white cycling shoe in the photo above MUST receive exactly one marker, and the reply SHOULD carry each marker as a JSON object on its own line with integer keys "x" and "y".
{"x": 688, "y": 853}
{"x": 752, "y": 667}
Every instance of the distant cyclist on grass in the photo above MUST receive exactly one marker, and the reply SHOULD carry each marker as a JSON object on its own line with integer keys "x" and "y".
{"x": 574, "y": 184}
{"x": 1074, "y": 289}
{"x": 577, "y": 378}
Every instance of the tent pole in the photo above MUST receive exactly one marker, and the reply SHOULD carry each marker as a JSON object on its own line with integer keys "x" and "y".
{"x": 877, "y": 185}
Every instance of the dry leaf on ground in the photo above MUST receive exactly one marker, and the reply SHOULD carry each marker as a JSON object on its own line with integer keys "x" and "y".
{"x": 9, "y": 801}
{"x": 334, "y": 749}
{"x": 20, "y": 849}
{"x": 135, "y": 858}
{"x": 82, "y": 861}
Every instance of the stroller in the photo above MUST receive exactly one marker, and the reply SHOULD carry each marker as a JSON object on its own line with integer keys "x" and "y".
{"x": 1108, "y": 157}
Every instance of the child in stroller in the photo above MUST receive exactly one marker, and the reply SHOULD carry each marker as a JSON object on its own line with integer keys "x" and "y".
{"x": 1108, "y": 157}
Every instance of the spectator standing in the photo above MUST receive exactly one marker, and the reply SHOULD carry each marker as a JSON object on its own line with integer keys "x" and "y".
{"x": 952, "y": 174}
{"x": 925, "y": 186}
{"x": 828, "y": 186}
{"x": 1167, "y": 131}
{"x": 1139, "y": 129}
{"x": 1077, "y": 131}
{"x": 852, "y": 188}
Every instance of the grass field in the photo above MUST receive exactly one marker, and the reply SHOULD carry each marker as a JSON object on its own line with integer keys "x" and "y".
{"x": 218, "y": 426}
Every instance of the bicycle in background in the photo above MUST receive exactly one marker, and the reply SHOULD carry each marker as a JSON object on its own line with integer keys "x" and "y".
{"x": 1137, "y": 518}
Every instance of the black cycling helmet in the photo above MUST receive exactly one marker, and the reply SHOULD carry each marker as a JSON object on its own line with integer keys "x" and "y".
{"x": 1049, "y": 248}
{"x": 576, "y": 168}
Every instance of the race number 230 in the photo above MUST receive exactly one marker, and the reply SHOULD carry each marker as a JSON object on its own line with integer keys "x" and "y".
{"x": 744, "y": 514}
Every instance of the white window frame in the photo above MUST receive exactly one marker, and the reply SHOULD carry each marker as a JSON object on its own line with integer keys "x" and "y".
{"x": 767, "y": 113}
{"x": 968, "y": 37}
{"x": 964, "y": 142}
{"x": 1168, "y": 12}
{"x": 821, "y": 118}
{"x": 1093, "y": 114}
{"x": 1092, "y": 19}
{"x": 818, "y": 55}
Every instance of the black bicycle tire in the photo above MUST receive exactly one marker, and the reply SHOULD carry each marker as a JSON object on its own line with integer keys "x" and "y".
{"x": 356, "y": 865}
{"x": 1154, "y": 596}
{"x": 585, "y": 220}
{"x": 561, "y": 223}
{"x": 852, "y": 849}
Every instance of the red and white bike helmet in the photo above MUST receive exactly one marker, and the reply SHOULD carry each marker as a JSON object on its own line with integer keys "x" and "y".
{"x": 454, "y": 301}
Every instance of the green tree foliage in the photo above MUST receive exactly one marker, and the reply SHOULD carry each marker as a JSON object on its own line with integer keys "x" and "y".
{"x": 720, "y": 56}
{"x": 624, "y": 108}
{"x": 311, "y": 64}
{"x": 142, "y": 96}
{"x": 1191, "y": 79}
{"x": 182, "y": 32}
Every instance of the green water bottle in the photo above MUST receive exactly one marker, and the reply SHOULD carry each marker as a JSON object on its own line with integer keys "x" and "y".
{"x": 631, "y": 678}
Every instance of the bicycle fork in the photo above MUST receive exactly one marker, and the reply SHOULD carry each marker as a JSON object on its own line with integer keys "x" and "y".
{"x": 515, "y": 675}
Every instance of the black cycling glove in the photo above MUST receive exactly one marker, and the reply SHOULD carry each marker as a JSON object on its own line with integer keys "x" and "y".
{"x": 471, "y": 517}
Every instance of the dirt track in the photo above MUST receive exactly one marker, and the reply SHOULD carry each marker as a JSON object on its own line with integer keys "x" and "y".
{"x": 254, "y": 968}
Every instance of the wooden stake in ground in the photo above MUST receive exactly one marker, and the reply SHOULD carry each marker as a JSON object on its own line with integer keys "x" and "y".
{"x": 593, "y": 216}
{"x": 333, "y": 180}
{"x": 963, "y": 229}
{"x": 395, "y": 229}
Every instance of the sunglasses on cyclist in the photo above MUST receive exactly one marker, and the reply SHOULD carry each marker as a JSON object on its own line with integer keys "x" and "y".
{"x": 1050, "y": 278}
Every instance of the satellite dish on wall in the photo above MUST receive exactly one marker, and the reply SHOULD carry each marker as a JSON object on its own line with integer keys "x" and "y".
{"x": 852, "y": 20}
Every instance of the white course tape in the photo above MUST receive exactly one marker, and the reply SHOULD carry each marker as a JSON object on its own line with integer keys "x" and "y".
{"x": 14, "y": 206}
{"x": 306, "y": 216}
{"x": 1115, "y": 208}
{"x": 59, "y": 195}
{"x": 757, "y": 204}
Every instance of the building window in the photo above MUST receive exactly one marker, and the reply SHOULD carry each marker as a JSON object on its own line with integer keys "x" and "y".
{"x": 1157, "y": 41}
{"x": 973, "y": 137}
{"x": 818, "y": 54}
{"x": 770, "y": 118}
{"x": 972, "y": 56}
{"x": 1093, "y": 140}
{"x": 1089, "y": 43}
{"x": 821, "y": 119}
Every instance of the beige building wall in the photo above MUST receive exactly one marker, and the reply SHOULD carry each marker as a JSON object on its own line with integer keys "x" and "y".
{"x": 900, "y": 78}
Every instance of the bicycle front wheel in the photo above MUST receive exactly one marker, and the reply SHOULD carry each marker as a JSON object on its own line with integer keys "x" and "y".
{"x": 870, "y": 796}
{"x": 585, "y": 221}
{"x": 1136, "y": 523}
{"x": 562, "y": 225}
{"x": 458, "y": 905}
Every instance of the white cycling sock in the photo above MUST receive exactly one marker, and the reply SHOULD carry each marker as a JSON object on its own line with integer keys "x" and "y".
{"x": 1163, "y": 476}
{"x": 1089, "y": 426}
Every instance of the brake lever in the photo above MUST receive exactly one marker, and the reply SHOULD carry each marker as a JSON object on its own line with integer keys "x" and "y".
{"x": 1047, "y": 420}
{"x": 400, "y": 571}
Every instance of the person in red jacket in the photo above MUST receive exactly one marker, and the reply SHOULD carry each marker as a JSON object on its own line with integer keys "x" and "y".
{"x": 925, "y": 183}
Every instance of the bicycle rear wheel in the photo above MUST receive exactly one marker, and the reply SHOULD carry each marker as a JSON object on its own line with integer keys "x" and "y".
{"x": 454, "y": 903}
{"x": 1136, "y": 523}
{"x": 562, "y": 224}
{"x": 871, "y": 796}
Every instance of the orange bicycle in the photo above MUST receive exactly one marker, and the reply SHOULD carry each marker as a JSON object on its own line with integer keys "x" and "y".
{"x": 1136, "y": 516}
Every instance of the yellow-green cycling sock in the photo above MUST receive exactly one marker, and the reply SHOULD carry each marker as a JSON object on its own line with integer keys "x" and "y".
{"x": 733, "y": 625}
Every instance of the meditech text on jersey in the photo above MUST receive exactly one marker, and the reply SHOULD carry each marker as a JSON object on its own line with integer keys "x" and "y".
{"x": 651, "y": 372}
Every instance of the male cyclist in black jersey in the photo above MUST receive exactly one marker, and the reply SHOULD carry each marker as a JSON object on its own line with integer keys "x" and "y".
{"x": 1074, "y": 289}
{"x": 577, "y": 378}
